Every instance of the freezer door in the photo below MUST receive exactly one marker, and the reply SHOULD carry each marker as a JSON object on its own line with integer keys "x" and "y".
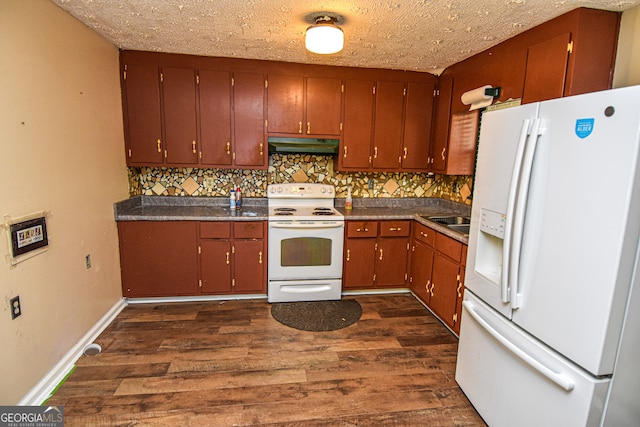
{"x": 500, "y": 150}
{"x": 513, "y": 380}
{"x": 582, "y": 225}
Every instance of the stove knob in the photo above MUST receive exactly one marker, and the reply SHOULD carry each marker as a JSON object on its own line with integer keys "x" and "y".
{"x": 323, "y": 190}
{"x": 330, "y": 190}
{"x": 279, "y": 189}
{"x": 272, "y": 189}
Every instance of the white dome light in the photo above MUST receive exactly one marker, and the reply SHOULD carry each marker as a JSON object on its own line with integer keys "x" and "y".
{"x": 325, "y": 37}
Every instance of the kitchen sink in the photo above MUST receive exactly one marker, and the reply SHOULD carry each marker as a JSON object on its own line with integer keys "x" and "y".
{"x": 454, "y": 222}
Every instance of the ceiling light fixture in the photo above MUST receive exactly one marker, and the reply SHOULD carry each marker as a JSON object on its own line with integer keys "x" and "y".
{"x": 324, "y": 37}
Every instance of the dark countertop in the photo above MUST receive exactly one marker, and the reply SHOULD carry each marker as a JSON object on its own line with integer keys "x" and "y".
{"x": 172, "y": 208}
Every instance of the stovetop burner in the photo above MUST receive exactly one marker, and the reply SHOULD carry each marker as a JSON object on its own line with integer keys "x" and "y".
{"x": 286, "y": 213}
{"x": 322, "y": 213}
{"x": 285, "y": 209}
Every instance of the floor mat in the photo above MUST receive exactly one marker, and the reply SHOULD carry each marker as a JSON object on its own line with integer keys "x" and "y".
{"x": 317, "y": 315}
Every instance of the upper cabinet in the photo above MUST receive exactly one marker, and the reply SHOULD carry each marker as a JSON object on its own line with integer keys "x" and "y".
{"x": 304, "y": 106}
{"x": 387, "y": 125}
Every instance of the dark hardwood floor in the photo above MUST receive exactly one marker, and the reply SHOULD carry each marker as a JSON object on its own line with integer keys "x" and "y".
{"x": 231, "y": 364}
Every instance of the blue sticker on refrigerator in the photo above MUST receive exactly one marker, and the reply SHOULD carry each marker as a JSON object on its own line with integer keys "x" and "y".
{"x": 584, "y": 127}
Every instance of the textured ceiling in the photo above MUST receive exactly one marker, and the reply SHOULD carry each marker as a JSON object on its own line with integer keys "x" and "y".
{"x": 421, "y": 35}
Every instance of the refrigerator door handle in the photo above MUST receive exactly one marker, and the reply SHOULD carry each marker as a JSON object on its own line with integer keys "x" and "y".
{"x": 557, "y": 377}
{"x": 522, "y": 196}
{"x": 511, "y": 202}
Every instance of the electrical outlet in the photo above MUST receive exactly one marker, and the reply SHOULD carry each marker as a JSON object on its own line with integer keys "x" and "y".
{"x": 209, "y": 182}
{"x": 87, "y": 261}
{"x": 16, "y": 310}
{"x": 370, "y": 183}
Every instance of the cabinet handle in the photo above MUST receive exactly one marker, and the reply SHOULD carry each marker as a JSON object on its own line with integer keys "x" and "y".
{"x": 300, "y": 127}
{"x": 423, "y": 234}
{"x": 193, "y": 146}
{"x": 443, "y": 150}
{"x": 260, "y": 257}
{"x": 380, "y": 255}
{"x": 395, "y": 228}
{"x": 261, "y": 149}
{"x": 308, "y": 128}
{"x": 228, "y": 147}
{"x": 375, "y": 152}
{"x": 459, "y": 287}
{"x": 227, "y": 258}
{"x": 405, "y": 153}
{"x": 360, "y": 230}
{"x": 165, "y": 154}
{"x": 159, "y": 146}
{"x": 433, "y": 285}
{"x": 348, "y": 255}
{"x": 345, "y": 152}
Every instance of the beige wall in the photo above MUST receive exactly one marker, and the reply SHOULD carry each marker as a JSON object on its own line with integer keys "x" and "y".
{"x": 60, "y": 151}
{"x": 627, "y": 72}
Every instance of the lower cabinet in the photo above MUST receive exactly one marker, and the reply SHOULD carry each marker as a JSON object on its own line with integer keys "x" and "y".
{"x": 376, "y": 254}
{"x": 232, "y": 257}
{"x": 158, "y": 258}
{"x": 436, "y": 273}
{"x": 187, "y": 258}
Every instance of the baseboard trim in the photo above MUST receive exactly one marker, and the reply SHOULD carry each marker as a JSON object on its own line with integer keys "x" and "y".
{"x": 42, "y": 391}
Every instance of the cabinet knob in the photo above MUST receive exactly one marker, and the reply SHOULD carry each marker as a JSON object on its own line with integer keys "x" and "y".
{"x": 300, "y": 127}
{"x": 360, "y": 230}
{"x": 345, "y": 152}
{"x": 193, "y": 146}
{"x": 260, "y": 257}
{"x": 348, "y": 255}
{"x": 227, "y": 258}
{"x": 159, "y": 146}
{"x": 375, "y": 152}
{"x": 380, "y": 255}
{"x": 395, "y": 228}
{"x": 405, "y": 153}
{"x": 423, "y": 234}
{"x": 308, "y": 128}
{"x": 443, "y": 150}
{"x": 228, "y": 147}
{"x": 261, "y": 148}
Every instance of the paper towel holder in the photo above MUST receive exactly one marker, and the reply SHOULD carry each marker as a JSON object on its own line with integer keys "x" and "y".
{"x": 480, "y": 97}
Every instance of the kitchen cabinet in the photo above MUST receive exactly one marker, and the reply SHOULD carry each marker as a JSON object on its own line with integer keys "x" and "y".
{"x": 546, "y": 69}
{"x": 304, "y": 106}
{"x": 437, "y": 273}
{"x": 179, "y": 101}
{"x": 142, "y": 115}
{"x": 232, "y": 257}
{"x": 416, "y": 138}
{"x": 249, "y": 145}
{"x": 215, "y": 118}
{"x": 158, "y": 258}
{"x": 189, "y": 258}
{"x": 387, "y": 127}
{"x": 357, "y": 136}
{"x": 376, "y": 254}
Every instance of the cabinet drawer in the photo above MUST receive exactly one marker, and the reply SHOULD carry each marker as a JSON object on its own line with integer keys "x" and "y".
{"x": 357, "y": 229}
{"x": 424, "y": 234}
{"x": 448, "y": 246}
{"x": 248, "y": 230}
{"x": 215, "y": 230}
{"x": 395, "y": 228}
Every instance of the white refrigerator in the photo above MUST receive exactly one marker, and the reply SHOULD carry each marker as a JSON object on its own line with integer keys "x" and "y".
{"x": 550, "y": 329}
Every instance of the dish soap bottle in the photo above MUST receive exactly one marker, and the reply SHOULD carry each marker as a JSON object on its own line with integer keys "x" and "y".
{"x": 232, "y": 200}
{"x": 348, "y": 204}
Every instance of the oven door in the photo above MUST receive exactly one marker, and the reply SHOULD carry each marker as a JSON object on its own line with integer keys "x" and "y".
{"x": 303, "y": 250}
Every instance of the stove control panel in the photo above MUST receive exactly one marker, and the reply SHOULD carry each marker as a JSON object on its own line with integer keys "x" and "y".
{"x": 306, "y": 190}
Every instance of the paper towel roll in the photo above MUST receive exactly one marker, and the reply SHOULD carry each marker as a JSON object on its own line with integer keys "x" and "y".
{"x": 476, "y": 98}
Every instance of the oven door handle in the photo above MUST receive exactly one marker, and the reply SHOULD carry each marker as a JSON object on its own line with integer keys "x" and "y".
{"x": 314, "y": 224}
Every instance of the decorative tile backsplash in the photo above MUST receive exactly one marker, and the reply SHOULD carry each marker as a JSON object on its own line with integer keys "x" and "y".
{"x": 295, "y": 168}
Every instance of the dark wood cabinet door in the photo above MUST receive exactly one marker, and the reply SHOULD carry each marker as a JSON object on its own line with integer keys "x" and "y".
{"x": 324, "y": 106}
{"x": 391, "y": 262}
{"x": 215, "y": 118}
{"x": 158, "y": 258}
{"x": 215, "y": 266}
{"x": 444, "y": 283}
{"x": 180, "y": 125}
{"x": 417, "y": 126}
{"x": 249, "y": 130}
{"x": 142, "y": 114}
{"x": 420, "y": 270}
{"x": 546, "y": 70}
{"x": 357, "y": 135}
{"x": 285, "y": 100}
{"x": 359, "y": 263}
{"x": 249, "y": 266}
{"x": 441, "y": 118}
{"x": 387, "y": 128}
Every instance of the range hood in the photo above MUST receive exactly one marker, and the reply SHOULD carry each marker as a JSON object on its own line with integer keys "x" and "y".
{"x": 303, "y": 145}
